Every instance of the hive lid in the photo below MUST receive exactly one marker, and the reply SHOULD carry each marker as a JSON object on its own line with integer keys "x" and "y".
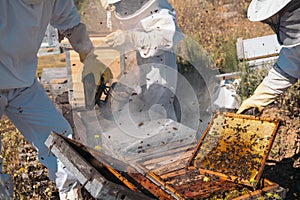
{"x": 235, "y": 147}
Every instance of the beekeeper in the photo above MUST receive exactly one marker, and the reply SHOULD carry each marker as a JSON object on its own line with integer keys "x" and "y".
{"x": 149, "y": 28}
{"x": 283, "y": 17}
{"x": 22, "y": 98}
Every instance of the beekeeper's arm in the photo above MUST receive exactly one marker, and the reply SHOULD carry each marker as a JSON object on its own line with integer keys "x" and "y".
{"x": 82, "y": 44}
{"x": 284, "y": 74}
{"x": 67, "y": 21}
{"x": 157, "y": 34}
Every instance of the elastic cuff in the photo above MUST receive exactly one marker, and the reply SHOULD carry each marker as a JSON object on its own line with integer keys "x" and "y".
{"x": 284, "y": 74}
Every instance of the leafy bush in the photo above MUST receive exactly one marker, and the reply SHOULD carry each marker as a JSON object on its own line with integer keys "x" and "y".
{"x": 250, "y": 79}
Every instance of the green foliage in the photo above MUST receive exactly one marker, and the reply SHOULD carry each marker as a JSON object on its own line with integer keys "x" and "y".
{"x": 78, "y": 3}
{"x": 250, "y": 79}
{"x": 230, "y": 56}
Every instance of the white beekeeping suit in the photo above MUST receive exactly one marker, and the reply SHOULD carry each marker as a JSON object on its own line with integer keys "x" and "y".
{"x": 149, "y": 27}
{"x": 283, "y": 17}
{"x": 22, "y": 98}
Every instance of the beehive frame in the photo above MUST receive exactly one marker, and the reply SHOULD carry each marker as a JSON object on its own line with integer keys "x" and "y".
{"x": 235, "y": 147}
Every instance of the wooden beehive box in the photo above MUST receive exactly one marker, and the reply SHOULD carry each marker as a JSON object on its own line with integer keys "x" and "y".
{"x": 179, "y": 172}
{"x": 226, "y": 163}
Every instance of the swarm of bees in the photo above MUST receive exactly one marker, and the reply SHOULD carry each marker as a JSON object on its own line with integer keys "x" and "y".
{"x": 232, "y": 151}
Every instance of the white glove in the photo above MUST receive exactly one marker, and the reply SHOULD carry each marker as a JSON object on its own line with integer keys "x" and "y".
{"x": 262, "y": 96}
{"x": 118, "y": 38}
{"x": 93, "y": 65}
{"x": 271, "y": 87}
{"x": 147, "y": 43}
{"x": 156, "y": 34}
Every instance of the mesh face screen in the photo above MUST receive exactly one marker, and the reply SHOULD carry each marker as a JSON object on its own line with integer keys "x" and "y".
{"x": 129, "y": 7}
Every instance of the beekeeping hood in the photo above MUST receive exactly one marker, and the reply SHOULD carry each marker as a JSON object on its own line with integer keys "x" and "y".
{"x": 126, "y": 7}
{"x": 260, "y": 10}
{"x": 283, "y": 17}
{"x": 131, "y": 12}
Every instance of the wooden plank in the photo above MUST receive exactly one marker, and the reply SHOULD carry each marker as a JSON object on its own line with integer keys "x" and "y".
{"x": 98, "y": 186}
{"x": 161, "y": 182}
{"x": 270, "y": 188}
{"x": 180, "y": 151}
{"x": 173, "y": 174}
{"x": 150, "y": 186}
{"x": 180, "y": 164}
{"x": 167, "y": 163}
{"x": 240, "y": 49}
{"x": 164, "y": 162}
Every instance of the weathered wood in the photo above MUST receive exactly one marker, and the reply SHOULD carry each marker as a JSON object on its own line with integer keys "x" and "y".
{"x": 181, "y": 183}
{"x": 55, "y": 79}
{"x": 179, "y": 164}
{"x": 270, "y": 188}
{"x": 168, "y": 161}
{"x": 181, "y": 152}
{"x": 191, "y": 184}
{"x": 50, "y": 61}
{"x": 125, "y": 173}
{"x": 98, "y": 186}
{"x": 150, "y": 186}
{"x": 163, "y": 160}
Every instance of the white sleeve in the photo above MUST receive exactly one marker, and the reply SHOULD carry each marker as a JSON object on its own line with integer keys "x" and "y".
{"x": 159, "y": 30}
{"x": 289, "y": 61}
{"x": 64, "y": 15}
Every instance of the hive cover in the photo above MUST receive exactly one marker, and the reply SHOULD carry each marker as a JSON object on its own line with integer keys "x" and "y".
{"x": 235, "y": 147}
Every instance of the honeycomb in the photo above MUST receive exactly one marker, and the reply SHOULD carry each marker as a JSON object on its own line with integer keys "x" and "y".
{"x": 235, "y": 147}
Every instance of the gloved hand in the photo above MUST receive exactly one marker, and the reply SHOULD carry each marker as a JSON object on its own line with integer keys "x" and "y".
{"x": 263, "y": 95}
{"x": 118, "y": 38}
{"x": 92, "y": 65}
{"x": 93, "y": 68}
{"x": 272, "y": 86}
{"x": 82, "y": 44}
